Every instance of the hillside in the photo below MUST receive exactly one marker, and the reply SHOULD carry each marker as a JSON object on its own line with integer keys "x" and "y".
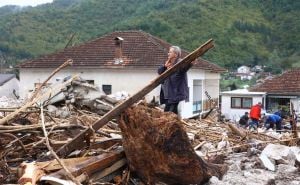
{"x": 245, "y": 32}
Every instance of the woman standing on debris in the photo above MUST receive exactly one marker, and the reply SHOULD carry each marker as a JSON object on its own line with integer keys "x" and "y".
{"x": 174, "y": 88}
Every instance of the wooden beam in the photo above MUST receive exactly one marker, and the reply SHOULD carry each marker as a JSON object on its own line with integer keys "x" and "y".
{"x": 83, "y": 138}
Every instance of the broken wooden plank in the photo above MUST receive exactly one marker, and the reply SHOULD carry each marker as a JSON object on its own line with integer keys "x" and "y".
{"x": 89, "y": 166}
{"x": 82, "y": 139}
{"x": 117, "y": 165}
{"x": 53, "y": 165}
{"x": 31, "y": 173}
{"x": 293, "y": 122}
{"x": 237, "y": 131}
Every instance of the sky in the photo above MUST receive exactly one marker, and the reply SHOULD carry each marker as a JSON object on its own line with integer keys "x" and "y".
{"x": 23, "y": 2}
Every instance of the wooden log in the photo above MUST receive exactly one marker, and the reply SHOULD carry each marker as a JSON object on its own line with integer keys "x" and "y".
{"x": 116, "y": 166}
{"x": 90, "y": 166}
{"x": 158, "y": 149}
{"x": 237, "y": 131}
{"x": 53, "y": 165}
{"x": 83, "y": 138}
{"x": 294, "y": 122}
{"x": 32, "y": 173}
{"x": 258, "y": 136}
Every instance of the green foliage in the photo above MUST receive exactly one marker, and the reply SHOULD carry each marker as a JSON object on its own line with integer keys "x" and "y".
{"x": 245, "y": 32}
{"x": 234, "y": 83}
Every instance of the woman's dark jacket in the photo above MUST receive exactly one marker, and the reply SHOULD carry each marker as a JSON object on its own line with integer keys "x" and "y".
{"x": 175, "y": 87}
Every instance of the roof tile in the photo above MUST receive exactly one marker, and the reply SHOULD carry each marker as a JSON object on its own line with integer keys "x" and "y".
{"x": 139, "y": 50}
{"x": 286, "y": 83}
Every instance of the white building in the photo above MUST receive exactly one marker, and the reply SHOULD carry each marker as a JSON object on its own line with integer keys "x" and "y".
{"x": 9, "y": 85}
{"x": 123, "y": 61}
{"x": 243, "y": 69}
{"x": 244, "y": 72}
{"x": 235, "y": 103}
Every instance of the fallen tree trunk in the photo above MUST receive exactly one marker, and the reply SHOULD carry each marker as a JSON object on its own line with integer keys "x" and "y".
{"x": 158, "y": 149}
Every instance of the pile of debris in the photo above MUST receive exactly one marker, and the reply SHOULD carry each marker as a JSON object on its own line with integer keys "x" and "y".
{"x": 71, "y": 133}
{"x": 159, "y": 147}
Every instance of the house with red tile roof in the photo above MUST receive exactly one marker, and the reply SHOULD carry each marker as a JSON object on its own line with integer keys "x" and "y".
{"x": 281, "y": 90}
{"x": 122, "y": 61}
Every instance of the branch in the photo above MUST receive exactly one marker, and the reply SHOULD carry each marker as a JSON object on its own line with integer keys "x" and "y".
{"x": 68, "y": 173}
{"x": 65, "y": 64}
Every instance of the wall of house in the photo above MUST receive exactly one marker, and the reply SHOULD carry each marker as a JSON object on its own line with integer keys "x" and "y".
{"x": 213, "y": 88}
{"x": 210, "y": 83}
{"x": 7, "y": 88}
{"x": 233, "y": 113}
{"x": 130, "y": 81}
{"x": 121, "y": 80}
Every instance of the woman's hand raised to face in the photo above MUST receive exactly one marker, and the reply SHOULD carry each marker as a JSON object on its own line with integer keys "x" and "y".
{"x": 168, "y": 64}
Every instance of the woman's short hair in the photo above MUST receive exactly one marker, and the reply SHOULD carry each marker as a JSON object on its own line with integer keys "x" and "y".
{"x": 177, "y": 50}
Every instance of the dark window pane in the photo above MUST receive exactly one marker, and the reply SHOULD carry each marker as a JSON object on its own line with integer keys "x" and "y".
{"x": 236, "y": 102}
{"x": 106, "y": 89}
{"x": 247, "y": 102}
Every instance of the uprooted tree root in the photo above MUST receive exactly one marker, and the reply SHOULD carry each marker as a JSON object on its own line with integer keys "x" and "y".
{"x": 158, "y": 149}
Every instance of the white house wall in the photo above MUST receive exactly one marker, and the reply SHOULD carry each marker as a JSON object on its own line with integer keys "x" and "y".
{"x": 7, "y": 88}
{"x": 121, "y": 80}
{"x": 212, "y": 87}
{"x": 208, "y": 80}
{"x": 130, "y": 81}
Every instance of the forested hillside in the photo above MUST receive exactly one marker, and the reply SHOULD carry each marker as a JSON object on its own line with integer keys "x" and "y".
{"x": 245, "y": 32}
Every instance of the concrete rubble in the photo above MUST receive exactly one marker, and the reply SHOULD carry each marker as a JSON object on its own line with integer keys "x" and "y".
{"x": 252, "y": 157}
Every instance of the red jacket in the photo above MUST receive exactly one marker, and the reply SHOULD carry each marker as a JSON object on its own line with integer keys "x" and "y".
{"x": 255, "y": 111}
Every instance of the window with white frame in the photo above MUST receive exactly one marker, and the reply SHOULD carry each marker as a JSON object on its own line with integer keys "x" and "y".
{"x": 241, "y": 102}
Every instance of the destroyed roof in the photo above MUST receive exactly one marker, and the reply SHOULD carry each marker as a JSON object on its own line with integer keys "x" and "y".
{"x": 139, "y": 50}
{"x": 5, "y": 78}
{"x": 287, "y": 83}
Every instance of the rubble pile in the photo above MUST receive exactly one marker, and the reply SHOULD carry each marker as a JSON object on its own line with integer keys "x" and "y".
{"x": 33, "y": 131}
{"x": 67, "y": 112}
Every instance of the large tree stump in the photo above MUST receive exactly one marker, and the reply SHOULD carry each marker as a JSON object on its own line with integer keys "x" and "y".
{"x": 158, "y": 149}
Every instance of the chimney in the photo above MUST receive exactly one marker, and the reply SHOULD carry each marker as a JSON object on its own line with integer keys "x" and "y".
{"x": 118, "y": 50}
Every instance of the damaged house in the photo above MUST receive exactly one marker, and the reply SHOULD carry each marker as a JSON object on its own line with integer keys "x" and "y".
{"x": 9, "y": 85}
{"x": 123, "y": 61}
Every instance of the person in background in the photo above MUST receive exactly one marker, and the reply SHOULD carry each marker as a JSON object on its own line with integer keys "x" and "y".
{"x": 244, "y": 120}
{"x": 174, "y": 89}
{"x": 274, "y": 119}
{"x": 255, "y": 114}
